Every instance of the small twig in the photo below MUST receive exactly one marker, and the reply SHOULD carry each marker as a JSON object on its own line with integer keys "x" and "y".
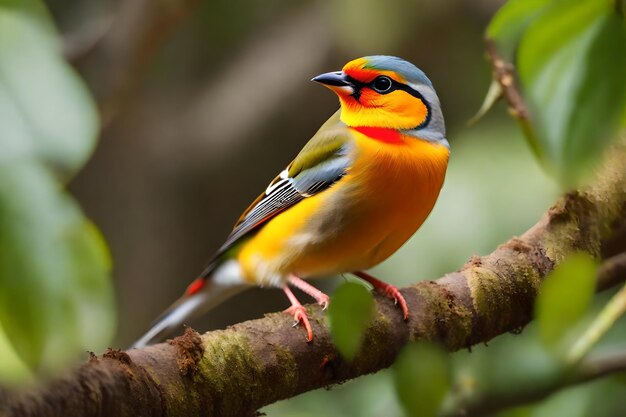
{"x": 612, "y": 271}
{"x": 603, "y": 322}
{"x": 600, "y": 366}
{"x": 504, "y": 74}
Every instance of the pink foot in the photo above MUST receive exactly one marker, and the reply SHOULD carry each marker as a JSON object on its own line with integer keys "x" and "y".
{"x": 387, "y": 289}
{"x": 321, "y": 298}
{"x": 299, "y": 314}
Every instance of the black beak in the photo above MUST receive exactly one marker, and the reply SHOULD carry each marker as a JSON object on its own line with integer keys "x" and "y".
{"x": 333, "y": 79}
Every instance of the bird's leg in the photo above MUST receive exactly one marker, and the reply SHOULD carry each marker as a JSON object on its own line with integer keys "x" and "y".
{"x": 321, "y": 298}
{"x": 299, "y": 313}
{"x": 388, "y": 289}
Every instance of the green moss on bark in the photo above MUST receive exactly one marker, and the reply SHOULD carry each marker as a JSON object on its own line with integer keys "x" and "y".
{"x": 447, "y": 322}
{"x": 498, "y": 298}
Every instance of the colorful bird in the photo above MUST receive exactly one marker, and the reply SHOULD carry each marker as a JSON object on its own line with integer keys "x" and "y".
{"x": 354, "y": 194}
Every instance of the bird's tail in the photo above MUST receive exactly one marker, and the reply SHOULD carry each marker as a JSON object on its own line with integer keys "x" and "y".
{"x": 201, "y": 295}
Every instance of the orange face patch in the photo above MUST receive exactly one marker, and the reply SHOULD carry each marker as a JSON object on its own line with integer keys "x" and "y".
{"x": 397, "y": 110}
{"x": 370, "y": 98}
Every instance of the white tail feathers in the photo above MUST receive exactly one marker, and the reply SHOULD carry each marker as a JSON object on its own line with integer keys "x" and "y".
{"x": 201, "y": 296}
{"x": 173, "y": 317}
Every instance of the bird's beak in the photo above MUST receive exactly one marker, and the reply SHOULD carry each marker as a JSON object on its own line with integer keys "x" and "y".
{"x": 337, "y": 81}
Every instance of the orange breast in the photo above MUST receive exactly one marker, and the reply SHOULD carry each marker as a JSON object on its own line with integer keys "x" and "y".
{"x": 357, "y": 223}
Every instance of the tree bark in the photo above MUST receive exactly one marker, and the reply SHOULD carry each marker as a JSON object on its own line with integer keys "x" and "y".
{"x": 236, "y": 371}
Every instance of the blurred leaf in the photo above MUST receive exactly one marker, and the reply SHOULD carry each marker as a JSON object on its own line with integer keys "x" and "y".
{"x": 55, "y": 295}
{"x": 45, "y": 111}
{"x": 12, "y": 369}
{"x": 350, "y": 312}
{"x": 564, "y": 298}
{"x": 562, "y": 23}
{"x": 572, "y": 61}
{"x": 510, "y": 22}
{"x": 493, "y": 95}
{"x": 422, "y": 379}
{"x": 56, "y": 299}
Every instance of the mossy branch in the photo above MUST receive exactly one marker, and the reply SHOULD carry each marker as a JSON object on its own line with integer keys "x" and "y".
{"x": 236, "y": 371}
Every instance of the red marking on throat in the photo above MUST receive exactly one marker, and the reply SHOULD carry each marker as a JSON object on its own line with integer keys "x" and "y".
{"x": 381, "y": 134}
{"x": 195, "y": 286}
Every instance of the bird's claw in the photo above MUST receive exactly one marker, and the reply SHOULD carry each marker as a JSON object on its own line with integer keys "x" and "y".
{"x": 300, "y": 316}
{"x": 389, "y": 290}
{"x": 323, "y": 301}
{"x": 393, "y": 292}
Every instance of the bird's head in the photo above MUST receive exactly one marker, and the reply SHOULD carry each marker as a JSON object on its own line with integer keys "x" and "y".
{"x": 386, "y": 92}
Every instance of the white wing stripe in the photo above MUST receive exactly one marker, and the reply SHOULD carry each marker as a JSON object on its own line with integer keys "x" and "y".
{"x": 270, "y": 188}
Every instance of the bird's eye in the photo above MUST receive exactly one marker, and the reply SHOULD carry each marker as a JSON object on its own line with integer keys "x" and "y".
{"x": 382, "y": 84}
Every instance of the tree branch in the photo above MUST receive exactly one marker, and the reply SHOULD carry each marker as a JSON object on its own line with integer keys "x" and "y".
{"x": 576, "y": 370}
{"x": 612, "y": 271}
{"x": 590, "y": 369}
{"x": 236, "y": 371}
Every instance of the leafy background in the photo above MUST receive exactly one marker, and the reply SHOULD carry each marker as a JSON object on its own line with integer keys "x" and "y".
{"x": 197, "y": 104}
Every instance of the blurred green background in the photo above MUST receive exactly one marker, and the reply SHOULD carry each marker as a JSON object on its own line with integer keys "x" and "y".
{"x": 203, "y": 102}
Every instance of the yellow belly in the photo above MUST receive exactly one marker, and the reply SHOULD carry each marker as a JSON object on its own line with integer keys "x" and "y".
{"x": 358, "y": 222}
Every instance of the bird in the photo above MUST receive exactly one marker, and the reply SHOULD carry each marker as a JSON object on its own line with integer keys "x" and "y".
{"x": 354, "y": 194}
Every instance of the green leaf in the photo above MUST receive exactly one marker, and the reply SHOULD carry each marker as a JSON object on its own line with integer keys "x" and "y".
{"x": 350, "y": 312}
{"x": 45, "y": 110}
{"x": 493, "y": 95}
{"x": 13, "y": 370}
{"x": 56, "y": 300}
{"x": 564, "y": 298}
{"x": 422, "y": 379}
{"x": 510, "y": 22}
{"x": 572, "y": 62}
